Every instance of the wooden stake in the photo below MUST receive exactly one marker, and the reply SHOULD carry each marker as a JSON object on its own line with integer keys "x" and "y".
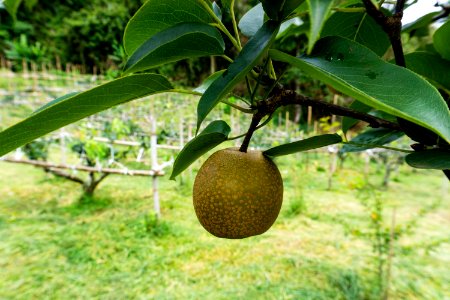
{"x": 34, "y": 75}
{"x": 154, "y": 159}
{"x": 58, "y": 64}
{"x": 309, "y": 120}
{"x": 24, "y": 68}
{"x": 335, "y": 102}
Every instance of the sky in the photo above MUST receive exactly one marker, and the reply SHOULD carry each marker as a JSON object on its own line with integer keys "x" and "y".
{"x": 422, "y": 7}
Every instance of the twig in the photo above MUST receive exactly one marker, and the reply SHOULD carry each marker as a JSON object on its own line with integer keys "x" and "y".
{"x": 392, "y": 25}
{"x": 349, "y": 9}
{"x": 288, "y": 97}
{"x": 399, "y": 6}
{"x": 240, "y": 108}
{"x": 378, "y": 146}
{"x": 219, "y": 23}
{"x": 253, "y": 125}
{"x": 233, "y": 19}
{"x": 444, "y": 13}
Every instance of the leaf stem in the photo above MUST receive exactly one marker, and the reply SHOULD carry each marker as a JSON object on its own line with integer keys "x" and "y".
{"x": 289, "y": 97}
{"x": 248, "y": 136}
{"x": 378, "y": 146}
{"x": 236, "y": 137}
{"x": 242, "y": 99}
{"x": 226, "y": 57}
{"x": 233, "y": 19}
{"x": 195, "y": 93}
{"x": 240, "y": 108}
{"x": 219, "y": 23}
{"x": 188, "y": 92}
{"x": 349, "y": 9}
{"x": 258, "y": 81}
{"x": 257, "y": 127}
{"x": 392, "y": 26}
{"x": 271, "y": 72}
{"x": 249, "y": 87}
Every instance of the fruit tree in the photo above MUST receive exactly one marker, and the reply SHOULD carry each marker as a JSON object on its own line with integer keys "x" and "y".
{"x": 397, "y": 75}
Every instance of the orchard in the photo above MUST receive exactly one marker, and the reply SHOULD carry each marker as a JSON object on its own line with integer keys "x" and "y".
{"x": 373, "y": 82}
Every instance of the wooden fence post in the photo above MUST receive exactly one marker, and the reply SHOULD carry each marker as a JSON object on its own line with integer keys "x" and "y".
{"x": 62, "y": 145}
{"x": 332, "y": 150}
{"x": 154, "y": 159}
{"x": 309, "y": 118}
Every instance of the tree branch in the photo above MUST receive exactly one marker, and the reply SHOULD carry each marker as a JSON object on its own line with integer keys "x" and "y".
{"x": 400, "y": 6}
{"x": 392, "y": 25}
{"x": 445, "y": 13}
{"x": 60, "y": 173}
{"x": 282, "y": 97}
{"x": 289, "y": 97}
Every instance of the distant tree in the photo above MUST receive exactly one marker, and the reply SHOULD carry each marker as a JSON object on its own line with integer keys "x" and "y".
{"x": 79, "y": 32}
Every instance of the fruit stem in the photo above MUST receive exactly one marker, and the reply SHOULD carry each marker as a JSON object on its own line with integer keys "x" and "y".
{"x": 253, "y": 125}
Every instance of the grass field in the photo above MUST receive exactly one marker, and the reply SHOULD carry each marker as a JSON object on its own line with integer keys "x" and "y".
{"x": 52, "y": 246}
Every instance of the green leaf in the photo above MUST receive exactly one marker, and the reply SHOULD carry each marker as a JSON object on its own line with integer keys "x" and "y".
{"x": 441, "y": 40}
{"x": 217, "y": 10}
{"x": 213, "y": 135}
{"x": 358, "y": 72}
{"x": 358, "y": 27}
{"x": 226, "y": 3}
{"x": 278, "y": 10}
{"x": 155, "y": 16}
{"x": 372, "y": 138}
{"x": 181, "y": 41}
{"x": 68, "y": 109}
{"x": 289, "y": 26}
{"x": 429, "y": 159}
{"x": 295, "y": 28}
{"x": 208, "y": 81}
{"x": 289, "y": 7}
{"x": 303, "y": 145}
{"x": 272, "y": 8}
{"x": 348, "y": 122}
{"x": 12, "y": 6}
{"x": 252, "y": 20}
{"x": 244, "y": 62}
{"x": 430, "y": 66}
{"x": 318, "y": 14}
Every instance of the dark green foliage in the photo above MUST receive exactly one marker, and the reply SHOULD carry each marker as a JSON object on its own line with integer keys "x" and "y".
{"x": 79, "y": 32}
{"x": 37, "y": 150}
{"x": 20, "y": 50}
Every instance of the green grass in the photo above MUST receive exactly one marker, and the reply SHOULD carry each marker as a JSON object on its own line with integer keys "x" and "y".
{"x": 53, "y": 246}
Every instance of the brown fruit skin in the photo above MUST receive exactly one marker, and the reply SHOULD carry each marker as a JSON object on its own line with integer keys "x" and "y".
{"x": 236, "y": 194}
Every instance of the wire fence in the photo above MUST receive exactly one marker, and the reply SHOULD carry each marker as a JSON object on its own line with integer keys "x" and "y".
{"x": 161, "y": 125}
